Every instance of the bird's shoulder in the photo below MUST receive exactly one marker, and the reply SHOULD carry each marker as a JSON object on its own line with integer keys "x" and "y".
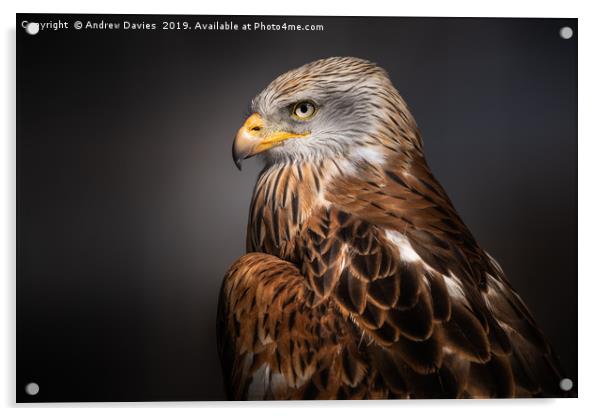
{"x": 405, "y": 201}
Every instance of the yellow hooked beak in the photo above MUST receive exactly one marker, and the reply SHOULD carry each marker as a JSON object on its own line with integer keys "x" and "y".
{"x": 252, "y": 138}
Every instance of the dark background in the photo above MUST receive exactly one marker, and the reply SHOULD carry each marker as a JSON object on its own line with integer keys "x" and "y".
{"x": 130, "y": 209}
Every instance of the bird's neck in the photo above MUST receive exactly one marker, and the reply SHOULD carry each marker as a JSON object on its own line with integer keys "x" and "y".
{"x": 287, "y": 193}
{"x": 284, "y": 198}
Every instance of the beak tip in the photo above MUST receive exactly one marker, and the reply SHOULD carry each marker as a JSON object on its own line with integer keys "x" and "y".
{"x": 236, "y": 156}
{"x": 246, "y": 140}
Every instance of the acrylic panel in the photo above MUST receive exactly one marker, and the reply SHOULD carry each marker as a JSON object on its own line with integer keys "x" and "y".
{"x": 403, "y": 223}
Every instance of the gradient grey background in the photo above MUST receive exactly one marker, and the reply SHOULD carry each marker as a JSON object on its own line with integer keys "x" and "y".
{"x": 130, "y": 209}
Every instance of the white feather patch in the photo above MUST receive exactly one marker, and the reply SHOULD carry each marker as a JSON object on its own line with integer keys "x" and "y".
{"x": 368, "y": 154}
{"x": 260, "y": 383}
{"x": 409, "y": 255}
{"x": 406, "y": 252}
{"x": 454, "y": 286}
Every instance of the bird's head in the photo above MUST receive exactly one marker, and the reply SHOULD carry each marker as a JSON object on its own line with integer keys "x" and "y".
{"x": 330, "y": 108}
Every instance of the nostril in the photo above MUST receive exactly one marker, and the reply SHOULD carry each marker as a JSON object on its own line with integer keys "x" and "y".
{"x": 256, "y": 128}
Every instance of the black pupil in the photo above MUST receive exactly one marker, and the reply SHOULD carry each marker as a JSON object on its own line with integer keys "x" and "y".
{"x": 303, "y": 108}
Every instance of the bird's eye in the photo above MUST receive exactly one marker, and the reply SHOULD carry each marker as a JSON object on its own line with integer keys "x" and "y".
{"x": 304, "y": 110}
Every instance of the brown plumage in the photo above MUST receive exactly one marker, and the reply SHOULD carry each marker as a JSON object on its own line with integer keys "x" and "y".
{"x": 361, "y": 280}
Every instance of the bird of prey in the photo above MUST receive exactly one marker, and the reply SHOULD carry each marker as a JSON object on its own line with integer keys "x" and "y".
{"x": 360, "y": 279}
